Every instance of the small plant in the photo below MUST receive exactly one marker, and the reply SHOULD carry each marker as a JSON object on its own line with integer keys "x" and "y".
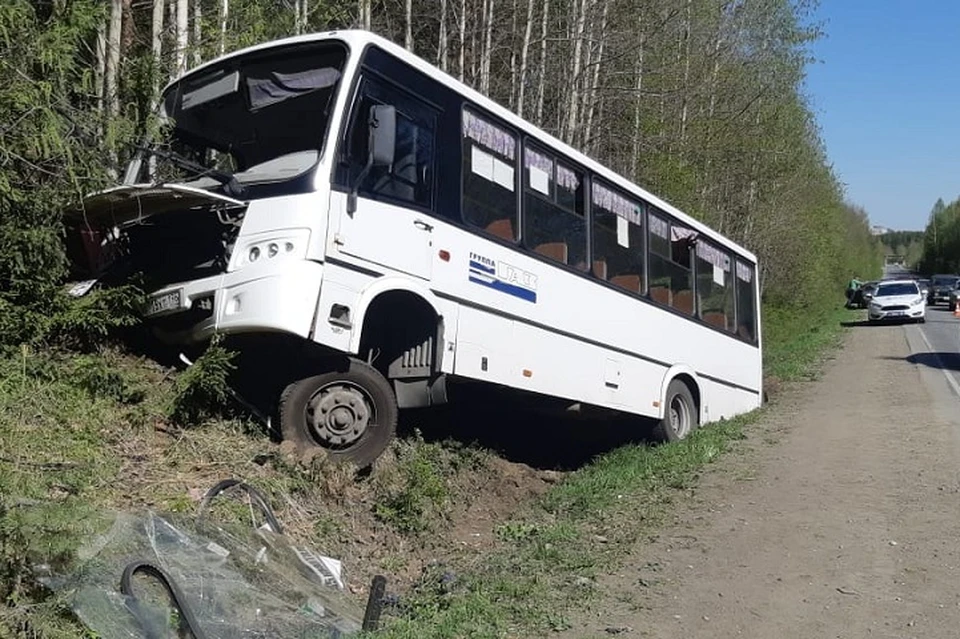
{"x": 95, "y": 375}
{"x": 419, "y": 491}
{"x": 516, "y": 531}
{"x": 202, "y": 390}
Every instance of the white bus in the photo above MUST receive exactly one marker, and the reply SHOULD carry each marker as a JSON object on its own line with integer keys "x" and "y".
{"x": 403, "y": 231}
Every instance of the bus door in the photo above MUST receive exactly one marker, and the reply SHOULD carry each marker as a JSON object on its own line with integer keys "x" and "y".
{"x": 391, "y": 224}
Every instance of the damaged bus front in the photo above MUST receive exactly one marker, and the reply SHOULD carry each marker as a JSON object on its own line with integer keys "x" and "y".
{"x": 220, "y": 214}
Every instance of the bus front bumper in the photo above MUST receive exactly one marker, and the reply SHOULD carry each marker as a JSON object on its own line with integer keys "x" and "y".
{"x": 281, "y": 299}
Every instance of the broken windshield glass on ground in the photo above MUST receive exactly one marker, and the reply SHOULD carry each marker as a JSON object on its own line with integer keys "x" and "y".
{"x": 151, "y": 575}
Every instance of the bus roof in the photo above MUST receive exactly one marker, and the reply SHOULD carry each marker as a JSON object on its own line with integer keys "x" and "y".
{"x": 357, "y": 39}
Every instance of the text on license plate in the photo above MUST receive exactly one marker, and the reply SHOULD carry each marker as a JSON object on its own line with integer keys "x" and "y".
{"x": 166, "y": 302}
{"x": 895, "y": 313}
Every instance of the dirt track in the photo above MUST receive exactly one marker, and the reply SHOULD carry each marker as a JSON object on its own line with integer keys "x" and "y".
{"x": 839, "y": 521}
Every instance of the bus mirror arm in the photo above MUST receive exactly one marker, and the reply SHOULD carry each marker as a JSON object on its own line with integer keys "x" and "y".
{"x": 382, "y": 140}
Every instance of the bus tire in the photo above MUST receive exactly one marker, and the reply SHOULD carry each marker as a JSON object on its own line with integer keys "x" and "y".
{"x": 349, "y": 413}
{"x": 680, "y": 414}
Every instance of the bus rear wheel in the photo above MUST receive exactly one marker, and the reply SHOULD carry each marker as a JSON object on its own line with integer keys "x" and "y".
{"x": 350, "y": 413}
{"x": 681, "y": 414}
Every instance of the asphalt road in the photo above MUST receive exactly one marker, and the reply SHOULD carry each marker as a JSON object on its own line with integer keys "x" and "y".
{"x": 935, "y": 344}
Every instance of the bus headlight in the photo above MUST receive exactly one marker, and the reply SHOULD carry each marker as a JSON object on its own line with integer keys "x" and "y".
{"x": 287, "y": 244}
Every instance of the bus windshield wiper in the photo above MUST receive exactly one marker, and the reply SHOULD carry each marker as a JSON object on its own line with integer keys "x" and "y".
{"x": 230, "y": 183}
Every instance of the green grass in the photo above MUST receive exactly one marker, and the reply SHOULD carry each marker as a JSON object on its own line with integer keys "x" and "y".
{"x": 795, "y": 341}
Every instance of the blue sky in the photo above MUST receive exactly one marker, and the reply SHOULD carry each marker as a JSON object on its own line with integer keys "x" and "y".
{"x": 886, "y": 93}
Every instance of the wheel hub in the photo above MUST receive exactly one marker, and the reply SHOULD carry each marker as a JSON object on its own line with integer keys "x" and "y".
{"x": 338, "y": 415}
{"x": 679, "y": 417}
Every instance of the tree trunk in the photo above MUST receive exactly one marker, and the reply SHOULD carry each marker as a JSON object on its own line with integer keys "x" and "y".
{"x": 197, "y": 31}
{"x": 513, "y": 56}
{"x": 524, "y": 52}
{"x": 366, "y": 14}
{"x": 685, "y": 93}
{"x": 100, "y": 70}
{"x": 593, "y": 94}
{"x": 181, "y": 35}
{"x": 224, "y": 14}
{"x": 570, "y": 126}
{"x": 442, "y": 44}
{"x": 463, "y": 37}
{"x": 408, "y": 35}
{"x": 128, "y": 28}
{"x": 541, "y": 87}
{"x": 112, "y": 67}
{"x": 638, "y": 103}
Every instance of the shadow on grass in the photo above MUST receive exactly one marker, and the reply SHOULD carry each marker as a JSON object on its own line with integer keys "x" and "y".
{"x": 506, "y": 425}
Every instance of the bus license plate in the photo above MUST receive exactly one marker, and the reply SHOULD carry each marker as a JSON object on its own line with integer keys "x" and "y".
{"x": 162, "y": 303}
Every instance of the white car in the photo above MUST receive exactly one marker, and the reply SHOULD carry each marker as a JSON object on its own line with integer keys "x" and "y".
{"x": 897, "y": 300}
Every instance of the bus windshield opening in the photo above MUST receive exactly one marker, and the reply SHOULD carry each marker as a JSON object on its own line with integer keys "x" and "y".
{"x": 260, "y": 117}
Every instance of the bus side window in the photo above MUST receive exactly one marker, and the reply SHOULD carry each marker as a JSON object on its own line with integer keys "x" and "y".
{"x": 746, "y": 301}
{"x": 410, "y": 178}
{"x": 489, "y": 156}
{"x": 617, "y": 238}
{"x": 715, "y": 287}
{"x": 553, "y": 221}
{"x": 671, "y": 275}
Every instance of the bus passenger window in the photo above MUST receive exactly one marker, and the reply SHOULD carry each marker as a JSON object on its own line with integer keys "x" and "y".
{"x": 617, "y": 238}
{"x": 489, "y": 159}
{"x": 671, "y": 275}
{"x": 746, "y": 301}
{"x": 715, "y": 287}
{"x": 553, "y": 222}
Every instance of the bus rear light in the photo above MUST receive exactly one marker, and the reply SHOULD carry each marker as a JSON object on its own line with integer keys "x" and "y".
{"x": 445, "y": 255}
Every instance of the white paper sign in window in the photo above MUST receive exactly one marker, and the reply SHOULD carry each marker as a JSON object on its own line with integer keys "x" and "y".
{"x": 539, "y": 180}
{"x": 539, "y": 170}
{"x": 718, "y": 275}
{"x": 623, "y": 232}
{"x": 481, "y": 163}
{"x": 503, "y": 174}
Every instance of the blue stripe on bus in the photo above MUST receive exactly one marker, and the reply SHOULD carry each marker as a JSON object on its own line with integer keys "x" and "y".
{"x": 482, "y": 267}
{"x": 509, "y": 289}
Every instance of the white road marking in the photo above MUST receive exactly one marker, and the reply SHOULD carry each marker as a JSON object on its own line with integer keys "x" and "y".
{"x": 950, "y": 379}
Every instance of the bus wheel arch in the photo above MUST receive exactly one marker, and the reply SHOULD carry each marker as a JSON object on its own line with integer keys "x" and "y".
{"x": 401, "y": 336}
{"x": 681, "y": 403}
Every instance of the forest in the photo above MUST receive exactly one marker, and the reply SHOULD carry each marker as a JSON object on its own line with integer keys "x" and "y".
{"x": 702, "y": 102}
{"x": 941, "y": 239}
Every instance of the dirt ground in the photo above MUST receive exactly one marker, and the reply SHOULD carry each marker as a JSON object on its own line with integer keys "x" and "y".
{"x": 841, "y": 517}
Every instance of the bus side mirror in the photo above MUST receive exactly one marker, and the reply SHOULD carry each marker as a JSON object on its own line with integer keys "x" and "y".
{"x": 381, "y": 145}
{"x": 383, "y": 134}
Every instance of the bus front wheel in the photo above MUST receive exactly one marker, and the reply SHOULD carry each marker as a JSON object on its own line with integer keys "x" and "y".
{"x": 350, "y": 413}
{"x": 680, "y": 415}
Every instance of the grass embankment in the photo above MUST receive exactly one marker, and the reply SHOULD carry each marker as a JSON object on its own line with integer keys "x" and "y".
{"x": 82, "y": 433}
